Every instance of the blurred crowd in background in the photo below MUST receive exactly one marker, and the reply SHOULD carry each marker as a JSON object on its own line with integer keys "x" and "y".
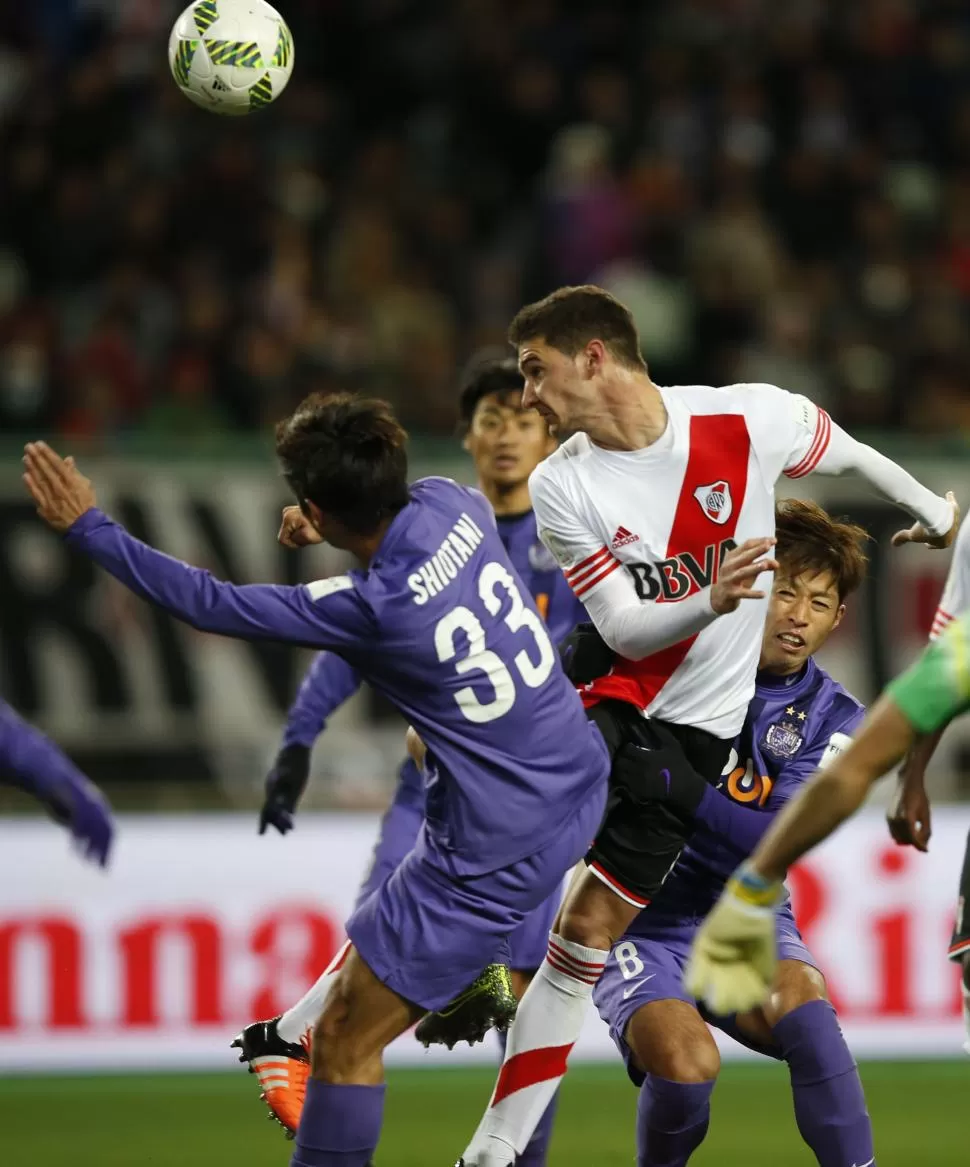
{"x": 781, "y": 192}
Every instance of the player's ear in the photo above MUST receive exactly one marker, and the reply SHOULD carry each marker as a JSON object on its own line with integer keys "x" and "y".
{"x": 466, "y": 441}
{"x": 594, "y": 355}
{"x": 838, "y": 616}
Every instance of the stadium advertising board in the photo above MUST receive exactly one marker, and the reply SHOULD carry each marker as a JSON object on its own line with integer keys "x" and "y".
{"x": 200, "y": 926}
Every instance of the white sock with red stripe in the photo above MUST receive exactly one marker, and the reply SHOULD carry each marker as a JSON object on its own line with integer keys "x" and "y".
{"x": 548, "y": 1022}
{"x": 295, "y": 1023}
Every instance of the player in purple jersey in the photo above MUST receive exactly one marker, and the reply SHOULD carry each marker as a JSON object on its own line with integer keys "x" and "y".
{"x": 435, "y": 620}
{"x": 506, "y": 443}
{"x": 799, "y": 719}
{"x": 31, "y": 761}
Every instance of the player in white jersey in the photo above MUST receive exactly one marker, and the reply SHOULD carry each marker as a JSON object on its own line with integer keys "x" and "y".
{"x": 909, "y": 816}
{"x": 660, "y": 509}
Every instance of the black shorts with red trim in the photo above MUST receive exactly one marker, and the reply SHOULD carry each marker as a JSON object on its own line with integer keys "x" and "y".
{"x": 641, "y": 838}
{"x": 960, "y": 940}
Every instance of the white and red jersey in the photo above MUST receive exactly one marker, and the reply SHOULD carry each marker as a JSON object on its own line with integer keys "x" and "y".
{"x": 648, "y": 528}
{"x": 956, "y": 593}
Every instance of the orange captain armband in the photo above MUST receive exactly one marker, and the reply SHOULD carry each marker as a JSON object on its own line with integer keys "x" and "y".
{"x": 542, "y": 603}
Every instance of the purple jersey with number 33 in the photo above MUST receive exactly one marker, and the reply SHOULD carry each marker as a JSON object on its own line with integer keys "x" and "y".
{"x": 441, "y": 624}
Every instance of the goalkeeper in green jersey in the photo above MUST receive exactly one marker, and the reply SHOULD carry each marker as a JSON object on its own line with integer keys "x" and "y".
{"x": 732, "y": 962}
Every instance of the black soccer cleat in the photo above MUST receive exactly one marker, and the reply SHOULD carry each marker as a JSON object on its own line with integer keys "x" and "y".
{"x": 282, "y": 1067}
{"x": 488, "y": 1003}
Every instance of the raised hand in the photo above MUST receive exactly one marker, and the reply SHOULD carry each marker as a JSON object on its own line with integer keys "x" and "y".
{"x": 740, "y": 569}
{"x": 59, "y": 489}
{"x": 917, "y": 533}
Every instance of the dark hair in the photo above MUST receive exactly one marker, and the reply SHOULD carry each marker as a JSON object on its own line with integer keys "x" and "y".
{"x": 809, "y": 539}
{"x": 570, "y": 318}
{"x": 489, "y": 371}
{"x": 347, "y": 455}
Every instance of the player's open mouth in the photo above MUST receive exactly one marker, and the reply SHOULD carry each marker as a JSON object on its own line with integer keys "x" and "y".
{"x": 791, "y": 640}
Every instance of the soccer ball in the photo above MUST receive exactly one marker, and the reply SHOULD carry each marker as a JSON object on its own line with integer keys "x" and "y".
{"x": 231, "y": 56}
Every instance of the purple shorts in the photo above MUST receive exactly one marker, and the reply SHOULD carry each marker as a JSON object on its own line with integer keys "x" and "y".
{"x": 649, "y": 966}
{"x": 427, "y": 934}
{"x": 400, "y": 828}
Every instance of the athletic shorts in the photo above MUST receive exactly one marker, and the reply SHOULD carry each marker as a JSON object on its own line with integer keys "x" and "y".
{"x": 640, "y": 839}
{"x": 400, "y": 828}
{"x": 937, "y": 687}
{"x": 649, "y": 966}
{"x": 427, "y": 934}
{"x": 960, "y": 940}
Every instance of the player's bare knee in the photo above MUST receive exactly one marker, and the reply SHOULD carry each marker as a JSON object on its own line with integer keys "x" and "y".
{"x": 796, "y": 984}
{"x": 670, "y": 1040}
{"x": 687, "y": 1063}
{"x": 700, "y": 1062}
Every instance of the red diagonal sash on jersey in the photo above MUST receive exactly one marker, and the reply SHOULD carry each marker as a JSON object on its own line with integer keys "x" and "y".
{"x": 719, "y": 450}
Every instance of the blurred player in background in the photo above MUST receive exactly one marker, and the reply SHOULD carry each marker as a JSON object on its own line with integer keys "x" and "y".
{"x": 660, "y": 510}
{"x": 798, "y": 720}
{"x": 909, "y": 816}
{"x": 436, "y": 622}
{"x": 733, "y": 960}
{"x": 31, "y": 761}
{"x": 506, "y": 443}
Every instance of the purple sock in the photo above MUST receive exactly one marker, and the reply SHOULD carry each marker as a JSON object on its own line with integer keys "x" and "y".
{"x": 830, "y": 1107}
{"x": 340, "y": 1125}
{"x": 672, "y": 1120}
{"x": 537, "y": 1151}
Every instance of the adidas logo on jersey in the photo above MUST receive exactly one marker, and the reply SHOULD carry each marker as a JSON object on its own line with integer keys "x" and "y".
{"x": 622, "y": 538}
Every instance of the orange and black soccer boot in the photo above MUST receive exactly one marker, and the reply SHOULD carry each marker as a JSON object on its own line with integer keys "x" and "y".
{"x": 282, "y": 1068}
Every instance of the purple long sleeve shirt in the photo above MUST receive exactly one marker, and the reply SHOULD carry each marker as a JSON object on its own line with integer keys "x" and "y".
{"x": 443, "y": 626}
{"x": 30, "y": 760}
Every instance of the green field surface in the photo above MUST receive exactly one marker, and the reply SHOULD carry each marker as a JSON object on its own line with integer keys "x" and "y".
{"x": 210, "y": 1120}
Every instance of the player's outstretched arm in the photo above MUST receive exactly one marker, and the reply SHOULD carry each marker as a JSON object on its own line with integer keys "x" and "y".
{"x": 733, "y": 957}
{"x": 836, "y": 792}
{"x": 66, "y": 501}
{"x": 30, "y": 760}
{"x": 937, "y": 519}
{"x": 732, "y": 960}
{"x": 328, "y": 683}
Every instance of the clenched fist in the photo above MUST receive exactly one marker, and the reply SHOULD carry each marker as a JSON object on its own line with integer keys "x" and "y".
{"x": 296, "y": 530}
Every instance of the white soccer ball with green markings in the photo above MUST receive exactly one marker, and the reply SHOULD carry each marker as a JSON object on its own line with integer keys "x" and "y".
{"x": 231, "y": 56}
